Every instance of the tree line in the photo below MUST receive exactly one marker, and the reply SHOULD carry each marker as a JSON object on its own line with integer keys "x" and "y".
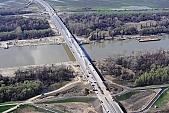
{"x": 5, "y": 12}
{"x": 158, "y": 75}
{"x": 30, "y": 82}
{"x": 136, "y": 67}
{"x": 17, "y": 27}
{"x": 20, "y": 91}
{"x": 26, "y": 34}
{"x": 97, "y": 25}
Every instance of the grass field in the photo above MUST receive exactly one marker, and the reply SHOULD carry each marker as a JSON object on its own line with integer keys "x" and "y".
{"x": 4, "y": 108}
{"x": 121, "y": 12}
{"x": 13, "y": 3}
{"x": 58, "y": 85}
{"x": 12, "y": 102}
{"x": 29, "y": 106}
{"x": 163, "y": 99}
{"x": 126, "y": 96}
{"x": 86, "y": 100}
{"x": 108, "y": 4}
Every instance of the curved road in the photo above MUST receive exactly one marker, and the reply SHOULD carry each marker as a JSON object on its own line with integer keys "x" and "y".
{"x": 153, "y": 100}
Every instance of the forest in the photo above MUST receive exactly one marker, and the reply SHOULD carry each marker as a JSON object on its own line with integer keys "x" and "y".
{"x": 17, "y": 27}
{"x": 5, "y": 12}
{"x": 30, "y": 82}
{"x": 96, "y": 26}
{"x": 143, "y": 68}
{"x": 159, "y": 75}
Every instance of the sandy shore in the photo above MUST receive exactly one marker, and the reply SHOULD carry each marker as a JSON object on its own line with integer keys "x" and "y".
{"x": 32, "y": 42}
{"x": 58, "y": 39}
{"x": 10, "y": 71}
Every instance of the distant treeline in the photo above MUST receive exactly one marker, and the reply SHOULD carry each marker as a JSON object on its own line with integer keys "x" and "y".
{"x": 17, "y": 27}
{"x": 98, "y": 25}
{"x": 144, "y": 69}
{"x": 29, "y": 82}
{"x": 5, "y": 12}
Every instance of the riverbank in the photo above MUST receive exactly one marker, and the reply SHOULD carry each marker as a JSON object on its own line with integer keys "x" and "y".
{"x": 57, "y": 40}
{"x": 10, "y": 72}
{"x": 32, "y": 42}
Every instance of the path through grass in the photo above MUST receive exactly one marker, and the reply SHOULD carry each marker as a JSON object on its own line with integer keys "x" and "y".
{"x": 4, "y": 108}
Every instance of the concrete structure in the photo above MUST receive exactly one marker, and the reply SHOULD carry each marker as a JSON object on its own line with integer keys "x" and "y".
{"x": 107, "y": 102}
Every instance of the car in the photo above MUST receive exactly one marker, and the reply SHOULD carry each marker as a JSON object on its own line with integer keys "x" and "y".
{"x": 96, "y": 92}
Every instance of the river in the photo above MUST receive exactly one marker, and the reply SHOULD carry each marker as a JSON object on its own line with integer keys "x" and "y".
{"x": 35, "y": 55}
{"x": 108, "y": 48}
{"x": 32, "y": 55}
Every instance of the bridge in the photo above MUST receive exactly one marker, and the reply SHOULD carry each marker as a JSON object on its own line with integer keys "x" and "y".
{"x": 109, "y": 105}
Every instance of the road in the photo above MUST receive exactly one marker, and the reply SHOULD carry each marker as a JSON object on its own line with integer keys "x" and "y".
{"x": 52, "y": 92}
{"x": 153, "y": 100}
{"x": 8, "y": 104}
{"x": 35, "y": 99}
{"x": 107, "y": 102}
{"x": 45, "y": 107}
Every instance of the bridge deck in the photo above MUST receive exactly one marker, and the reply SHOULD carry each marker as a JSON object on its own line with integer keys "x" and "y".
{"x": 92, "y": 74}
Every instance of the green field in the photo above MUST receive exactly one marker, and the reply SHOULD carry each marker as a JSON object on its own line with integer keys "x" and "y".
{"x": 12, "y": 102}
{"x": 162, "y": 100}
{"x": 30, "y": 106}
{"x": 13, "y": 4}
{"x": 4, "y": 108}
{"x": 153, "y": 86}
{"x": 126, "y": 96}
{"x": 86, "y": 100}
{"x": 107, "y": 4}
{"x": 58, "y": 85}
{"x": 121, "y": 12}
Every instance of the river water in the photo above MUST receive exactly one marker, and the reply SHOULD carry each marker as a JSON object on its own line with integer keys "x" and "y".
{"x": 109, "y": 48}
{"x": 35, "y": 55}
{"x": 32, "y": 55}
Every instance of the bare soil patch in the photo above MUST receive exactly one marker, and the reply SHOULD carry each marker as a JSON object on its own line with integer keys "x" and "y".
{"x": 28, "y": 110}
{"x": 138, "y": 101}
{"x": 114, "y": 88}
{"x": 74, "y": 107}
{"x": 77, "y": 89}
{"x": 77, "y": 107}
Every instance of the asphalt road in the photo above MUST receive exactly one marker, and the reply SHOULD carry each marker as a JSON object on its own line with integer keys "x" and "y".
{"x": 153, "y": 100}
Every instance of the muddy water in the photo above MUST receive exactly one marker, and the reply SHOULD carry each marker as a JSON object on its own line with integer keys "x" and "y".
{"x": 32, "y": 55}
{"x": 35, "y": 55}
{"x": 109, "y": 48}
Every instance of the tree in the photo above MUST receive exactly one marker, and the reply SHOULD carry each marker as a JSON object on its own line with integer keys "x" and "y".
{"x": 18, "y": 32}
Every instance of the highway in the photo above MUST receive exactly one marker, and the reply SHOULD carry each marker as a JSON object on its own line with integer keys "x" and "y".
{"x": 107, "y": 102}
